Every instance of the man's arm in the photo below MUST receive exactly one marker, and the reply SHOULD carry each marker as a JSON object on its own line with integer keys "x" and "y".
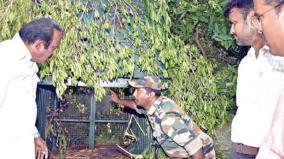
{"x": 4, "y": 85}
{"x": 126, "y": 102}
{"x": 41, "y": 150}
{"x": 3, "y": 91}
{"x": 198, "y": 155}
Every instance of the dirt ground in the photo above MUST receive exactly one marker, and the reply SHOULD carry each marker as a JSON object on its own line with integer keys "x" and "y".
{"x": 99, "y": 152}
{"x": 222, "y": 145}
{"x": 223, "y": 141}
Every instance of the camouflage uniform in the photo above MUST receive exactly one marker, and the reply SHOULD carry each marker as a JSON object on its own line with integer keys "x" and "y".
{"x": 175, "y": 131}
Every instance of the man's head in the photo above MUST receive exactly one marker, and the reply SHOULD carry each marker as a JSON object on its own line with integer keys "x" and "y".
{"x": 270, "y": 14}
{"x": 146, "y": 89}
{"x": 241, "y": 13}
{"x": 42, "y": 37}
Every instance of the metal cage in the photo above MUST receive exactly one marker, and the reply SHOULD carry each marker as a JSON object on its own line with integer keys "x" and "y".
{"x": 88, "y": 122}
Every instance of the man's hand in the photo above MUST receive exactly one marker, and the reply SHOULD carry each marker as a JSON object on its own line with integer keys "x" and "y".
{"x": 125, "y": 102}
{"x": 114, "y": 97}
{"x": 41, "y": 150}
{"x": 198, "y": 155}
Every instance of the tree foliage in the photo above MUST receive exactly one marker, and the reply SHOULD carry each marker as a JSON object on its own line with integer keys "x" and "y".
{"x": 183, "y": 41}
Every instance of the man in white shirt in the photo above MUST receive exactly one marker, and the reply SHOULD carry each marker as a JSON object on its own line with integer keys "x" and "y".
{"x": 35, "y": 43}
{"x": 256, "y": 94}
{"x": 270, "y": 16}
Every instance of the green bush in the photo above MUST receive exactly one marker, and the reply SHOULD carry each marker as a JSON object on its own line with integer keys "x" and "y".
{"x": 183, "y": 41}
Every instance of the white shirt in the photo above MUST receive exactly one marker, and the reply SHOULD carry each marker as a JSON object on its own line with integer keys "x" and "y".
{"x": 258, "y": 87}
{"x": 272, "y": 146}
{"x": 18, "y": 110}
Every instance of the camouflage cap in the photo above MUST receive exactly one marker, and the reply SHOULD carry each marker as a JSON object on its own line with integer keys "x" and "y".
{"x": 152, "y": 82}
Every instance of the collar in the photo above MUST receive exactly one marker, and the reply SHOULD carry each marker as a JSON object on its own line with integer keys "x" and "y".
{"x": 262, "y": 51}
{"x": 23, "y": 52}
{"x": 155, "y": 106}
{"x": 277, "y": 62}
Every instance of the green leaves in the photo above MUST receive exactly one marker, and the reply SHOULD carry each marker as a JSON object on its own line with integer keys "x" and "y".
{"x": 106, "y": 40}
{"x": 12, "y": 15}
{"x": 209, "y": 15}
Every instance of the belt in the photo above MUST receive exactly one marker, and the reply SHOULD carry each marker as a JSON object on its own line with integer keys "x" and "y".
{"x": 244, "y": 149}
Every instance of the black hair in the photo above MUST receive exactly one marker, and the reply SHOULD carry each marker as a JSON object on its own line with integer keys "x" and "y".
{"x": 40, "y": 29}
{"x": 245, "y": 5}
{"x": 275, "y": 2}
{"x": 157, "y": 92}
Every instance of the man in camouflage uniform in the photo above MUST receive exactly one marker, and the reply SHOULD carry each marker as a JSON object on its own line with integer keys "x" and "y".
{"x": 174, "y": 130}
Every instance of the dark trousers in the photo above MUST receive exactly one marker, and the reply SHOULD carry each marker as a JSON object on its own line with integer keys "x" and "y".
{"x": 236, "y": 155}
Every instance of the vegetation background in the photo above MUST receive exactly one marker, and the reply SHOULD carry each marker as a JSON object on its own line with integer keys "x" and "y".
{"x": 185, "y": 42}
